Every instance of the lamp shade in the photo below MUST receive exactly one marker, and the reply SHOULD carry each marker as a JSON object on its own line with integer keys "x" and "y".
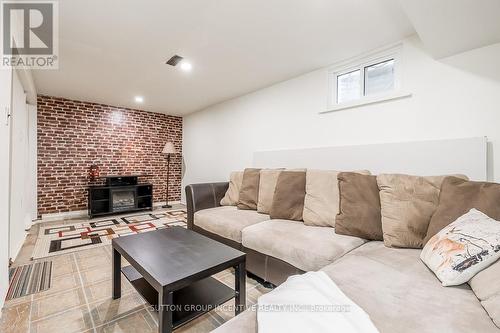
{"x": 169, "y": 148}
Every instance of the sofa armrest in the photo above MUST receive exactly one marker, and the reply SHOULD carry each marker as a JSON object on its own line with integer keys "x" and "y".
{"x": 203, "y": 196}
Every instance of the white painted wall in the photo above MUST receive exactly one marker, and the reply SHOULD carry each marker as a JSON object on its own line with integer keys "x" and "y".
{"x": 466, "y": 156}
{"x": 19, "y": 175}
{"x": 32, "y": 183}
{"x": 5, "y": 97}
{"x": 452, "y": 98}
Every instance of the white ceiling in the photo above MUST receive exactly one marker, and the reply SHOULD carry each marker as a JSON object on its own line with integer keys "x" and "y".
{"x": 448, "y": 27}
{"x": 113, "y": 50}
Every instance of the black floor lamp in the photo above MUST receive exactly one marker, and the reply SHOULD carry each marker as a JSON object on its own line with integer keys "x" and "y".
{"x": 168, "y": 150}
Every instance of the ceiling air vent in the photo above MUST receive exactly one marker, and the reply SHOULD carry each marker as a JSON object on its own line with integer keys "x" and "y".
{"x": 174, "y": 60}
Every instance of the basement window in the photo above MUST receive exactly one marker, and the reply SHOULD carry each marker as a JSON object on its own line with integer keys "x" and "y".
{"x": 379, "y": 78}
{"x": 349, "y": 86}
{"x": 366, "y": 80}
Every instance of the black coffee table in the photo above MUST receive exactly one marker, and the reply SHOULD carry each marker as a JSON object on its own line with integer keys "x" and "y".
{"x": 171, "y": 269}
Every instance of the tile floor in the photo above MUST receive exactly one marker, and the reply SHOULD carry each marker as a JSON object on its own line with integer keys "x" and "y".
{"x": 79, "y": 299}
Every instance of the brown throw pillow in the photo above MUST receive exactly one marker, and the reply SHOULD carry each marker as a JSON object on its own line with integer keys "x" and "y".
{"x": 359, "y": 212}
{"x": 407, "y": 204}
{"x": 458, "y": 196}
{"x": 249, "y": 192}
{"x": 267, "y": 184}
{"x": 288, "y": 201}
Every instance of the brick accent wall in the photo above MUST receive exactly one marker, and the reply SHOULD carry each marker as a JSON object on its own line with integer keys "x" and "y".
{"x": 72, "y": 135}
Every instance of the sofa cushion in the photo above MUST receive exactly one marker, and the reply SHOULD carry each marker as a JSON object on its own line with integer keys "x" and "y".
{"x": 322, "y": 194}
{"x": 305, "y": 247}
{"x": 463, "y": 248}
{"x": 492, "y": 305}
{"x": 267, "y": 185}
{"x": 321, "y": 202}
{"x": 486, "y": 286}
{"x": 401, "y": 295}
{"x": 359, "y": 212}
{"x": 249, "y": 191}
{"x": 407, "y": 203}
{"x": 486, "y": 283}
{"x": 233, "y": 192}
{"x": 227, "y": 221}
{"x": 288, "y": 200}
{"x": 458, "y": 196}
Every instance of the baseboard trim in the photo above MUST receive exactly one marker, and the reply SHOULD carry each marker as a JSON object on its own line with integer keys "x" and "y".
{"x": 159, "y": 204}
{"x": 78, "y": 214}
{"x": 75, "y": 214}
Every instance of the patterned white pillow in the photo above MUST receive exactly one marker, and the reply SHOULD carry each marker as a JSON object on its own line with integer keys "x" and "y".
{"x": 463, "y": 248}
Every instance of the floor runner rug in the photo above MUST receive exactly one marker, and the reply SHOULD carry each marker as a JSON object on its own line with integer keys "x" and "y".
{"x": 29, "y": 279}
{"x": 70, "y": 237}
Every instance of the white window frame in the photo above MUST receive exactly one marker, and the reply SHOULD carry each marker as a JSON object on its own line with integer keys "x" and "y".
{"x": 360, "y": 63}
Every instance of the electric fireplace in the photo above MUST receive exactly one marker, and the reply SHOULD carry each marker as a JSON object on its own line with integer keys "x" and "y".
{"x": 122, "y": 199}
{"x": 120, "y": 194}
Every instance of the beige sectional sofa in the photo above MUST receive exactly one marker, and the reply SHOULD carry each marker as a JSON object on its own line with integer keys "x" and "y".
{"x": 305, "y": 247}
{"x": 392, "y": 285}
{"x": 398, "y": 292}
{"x": 275, "y": 249}
{"x": 228, "y": 221}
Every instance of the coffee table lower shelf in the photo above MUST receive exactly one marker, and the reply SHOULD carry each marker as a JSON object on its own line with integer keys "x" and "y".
{"x": 190, "y": 302}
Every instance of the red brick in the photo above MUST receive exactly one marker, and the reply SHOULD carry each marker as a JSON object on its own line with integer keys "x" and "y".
{"x": 72, "y": 135}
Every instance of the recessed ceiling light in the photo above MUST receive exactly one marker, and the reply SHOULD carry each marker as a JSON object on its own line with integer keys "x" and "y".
{"x": 186, "y": 66}
{"x": 139, "y": 99}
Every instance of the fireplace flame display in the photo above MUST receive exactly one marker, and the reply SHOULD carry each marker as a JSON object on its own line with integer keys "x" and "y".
{"x": 123, "y": 200}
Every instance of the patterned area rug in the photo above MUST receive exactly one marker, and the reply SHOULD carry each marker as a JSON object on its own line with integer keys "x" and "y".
{"x": 66, "y": 237}
{"x": 29, "y": 279}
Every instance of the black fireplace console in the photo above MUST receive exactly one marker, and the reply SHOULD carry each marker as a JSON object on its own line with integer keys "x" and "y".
{"x": 120, "y": 194}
